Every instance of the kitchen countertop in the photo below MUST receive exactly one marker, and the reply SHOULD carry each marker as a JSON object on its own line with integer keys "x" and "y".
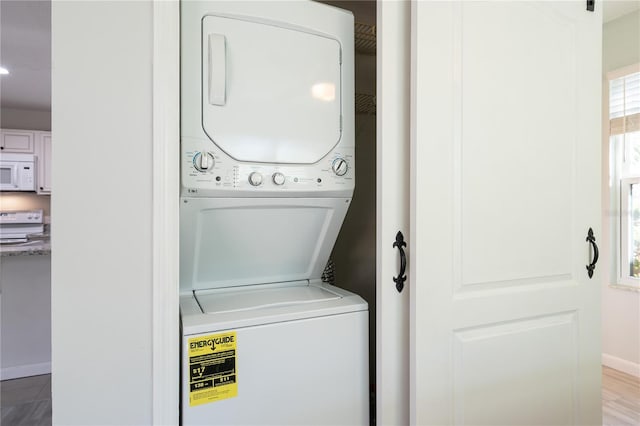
{"x": 33, "y": 248}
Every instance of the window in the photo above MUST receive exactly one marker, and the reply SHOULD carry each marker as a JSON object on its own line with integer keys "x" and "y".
{"x": 624, "y": 139}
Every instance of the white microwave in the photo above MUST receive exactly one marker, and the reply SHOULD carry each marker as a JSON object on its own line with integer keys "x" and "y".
{"x": 17, "y": 172}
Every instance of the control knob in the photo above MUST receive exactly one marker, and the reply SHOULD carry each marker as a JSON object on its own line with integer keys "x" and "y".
{"x": 278, "y": 178}
{"x": 255, "y": 179}
{"x": 203, "y": 161}
{"x": 340, "y": 166}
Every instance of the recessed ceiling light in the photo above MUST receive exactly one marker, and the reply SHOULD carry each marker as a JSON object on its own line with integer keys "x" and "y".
{"x": 3, "y": 71}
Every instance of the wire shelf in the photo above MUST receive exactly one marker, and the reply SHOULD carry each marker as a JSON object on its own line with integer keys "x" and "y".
{"x": 365, "y": 104}
{"x": 365, "y": 36}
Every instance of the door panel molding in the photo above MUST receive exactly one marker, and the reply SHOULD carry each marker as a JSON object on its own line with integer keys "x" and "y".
{"x": 524, "y": 284}
{"x": 479, "y": 391}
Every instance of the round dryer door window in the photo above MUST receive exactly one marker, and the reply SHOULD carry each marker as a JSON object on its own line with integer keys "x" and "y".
{"x": 270, "y": 94}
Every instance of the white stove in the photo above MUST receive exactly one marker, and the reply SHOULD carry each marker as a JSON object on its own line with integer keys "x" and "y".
{"x": 15, "y": 226}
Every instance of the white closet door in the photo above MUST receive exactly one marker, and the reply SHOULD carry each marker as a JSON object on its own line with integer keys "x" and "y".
{"x": 505, "y": 160}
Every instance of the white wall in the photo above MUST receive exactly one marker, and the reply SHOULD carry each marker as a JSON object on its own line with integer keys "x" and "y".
{"x": 25, "y": 320}
{"x": 12, "y": 118}
{"x": 620, "y": 309}
{"x": 25, "y": 201}
{"x": 102, "y": 236}
{"x": 621, "y": 42}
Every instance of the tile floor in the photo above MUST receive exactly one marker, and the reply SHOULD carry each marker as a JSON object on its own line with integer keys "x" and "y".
{"x": 26, "y": 402}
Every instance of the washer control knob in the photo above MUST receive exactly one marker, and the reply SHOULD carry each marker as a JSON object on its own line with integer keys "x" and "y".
{"x": 278, "y": 178}
{"x": 255, "y": 179}
{"x": 340, "y": 166}
{"x": 203, "y": 161}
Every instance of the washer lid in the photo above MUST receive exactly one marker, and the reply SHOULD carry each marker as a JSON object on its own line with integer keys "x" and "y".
{"x": 261, "y": 297}
{"x": 200, "y": 313}
{"x": 270, "y": 93}
{"x": 234, "y": 242}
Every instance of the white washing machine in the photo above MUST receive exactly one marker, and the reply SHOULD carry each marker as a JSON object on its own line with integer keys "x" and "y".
{"x": 267, "y": 166}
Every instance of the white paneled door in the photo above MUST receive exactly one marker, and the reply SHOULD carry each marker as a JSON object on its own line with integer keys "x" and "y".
{"x": 505, "y": 175}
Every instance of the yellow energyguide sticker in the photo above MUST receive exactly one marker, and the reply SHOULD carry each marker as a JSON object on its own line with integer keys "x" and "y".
{"x": 213, "y": 373}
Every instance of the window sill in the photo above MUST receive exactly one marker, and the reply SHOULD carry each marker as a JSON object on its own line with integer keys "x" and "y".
{"x": 624, "y": 287}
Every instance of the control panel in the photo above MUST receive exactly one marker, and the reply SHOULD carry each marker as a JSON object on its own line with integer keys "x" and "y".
{"x": 21, "y": 217}
{"x": 207, "y": 171}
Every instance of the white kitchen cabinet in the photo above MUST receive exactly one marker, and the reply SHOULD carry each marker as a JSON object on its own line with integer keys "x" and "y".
{"x": 21, "y": 141}
{"x": 43, "y": 154}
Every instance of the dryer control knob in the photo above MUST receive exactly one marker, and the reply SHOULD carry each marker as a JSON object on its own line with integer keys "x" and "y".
{"x": 278, "y": 178}
{"x": 203, "y": 161}
{"x": 255, "y": 179}
{"x": 340, "y": 166}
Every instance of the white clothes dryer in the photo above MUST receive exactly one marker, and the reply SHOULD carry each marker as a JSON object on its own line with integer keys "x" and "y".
{"x": 267, "y": 170}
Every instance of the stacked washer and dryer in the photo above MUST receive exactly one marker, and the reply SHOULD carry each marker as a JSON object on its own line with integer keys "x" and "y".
{"x": 267, "y": 168}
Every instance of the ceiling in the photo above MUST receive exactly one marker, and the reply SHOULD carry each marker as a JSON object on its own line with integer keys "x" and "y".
{"x": 25, "y": 46}
{"x": 613, "y": 9}
{"x": 25, "y": 50}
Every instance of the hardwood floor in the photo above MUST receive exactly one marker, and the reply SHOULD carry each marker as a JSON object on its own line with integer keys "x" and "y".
{"x": 620, "y": 398}
{"x": 28, "y": 401}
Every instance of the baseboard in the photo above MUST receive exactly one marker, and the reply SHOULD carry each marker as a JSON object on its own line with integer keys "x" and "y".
{"x": 25, "y": 371}
{"x": 621, "y": 365}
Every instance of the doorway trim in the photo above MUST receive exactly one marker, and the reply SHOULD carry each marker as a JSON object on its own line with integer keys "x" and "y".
{"x": 393, "y": 60}
{"x": 165, "y": 192}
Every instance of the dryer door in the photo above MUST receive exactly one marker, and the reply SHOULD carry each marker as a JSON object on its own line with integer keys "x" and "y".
{"x": 270, "y": 93}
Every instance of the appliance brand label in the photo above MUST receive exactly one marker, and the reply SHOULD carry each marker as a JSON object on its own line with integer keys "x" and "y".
{"x": 213, "y": 373}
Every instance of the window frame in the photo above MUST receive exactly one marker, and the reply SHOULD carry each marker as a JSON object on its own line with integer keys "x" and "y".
{"x": 626, "y": 242}
{"x": 620, "y": 180}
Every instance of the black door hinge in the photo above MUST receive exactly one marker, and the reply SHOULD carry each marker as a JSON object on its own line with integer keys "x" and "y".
{"x": 591, "y": 5}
